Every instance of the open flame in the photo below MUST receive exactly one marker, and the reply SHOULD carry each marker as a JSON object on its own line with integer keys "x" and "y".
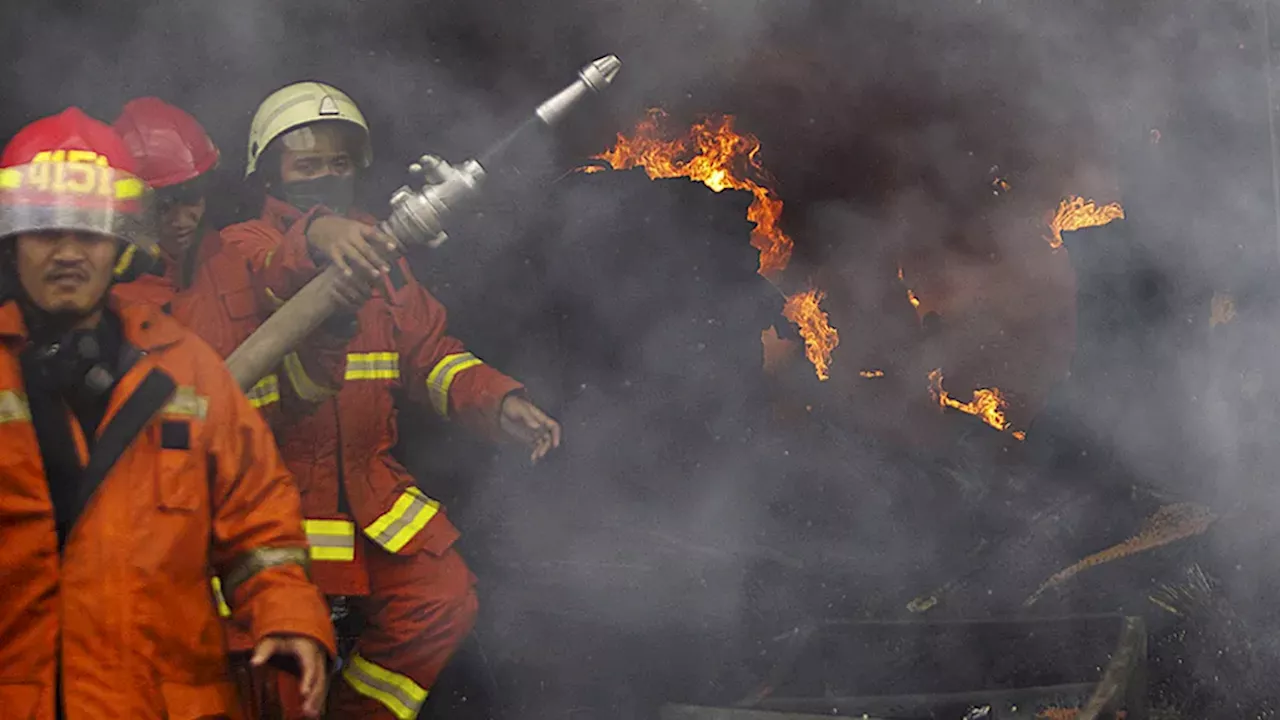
{"x": 870, "y": 374}
{"x": 1075, "y": 212}
{"x": 989, "y": 404}
{"x": 820, "y": 338}
{"x": 911, "y": 297}
{"x": 713, "y": 153}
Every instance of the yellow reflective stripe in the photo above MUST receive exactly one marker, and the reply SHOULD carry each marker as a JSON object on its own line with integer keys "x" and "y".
{"x": 331, "y": 540}
{"x": 187, "y": 403}
{"x": 254, "y": 561}
{"x": 401, "y": 695}
{"x": 264, "y": 392}
{"x": 397, "y": 526}
{"x": 373, "y": 366}
{"x": 276, "y": 302}
{"x": 126, "y": 259}
{"x": 13, "y": 407}
{"x": 441, "y": 378}
{"x": 307, "y": 389}
{"x": 224, "y": 610}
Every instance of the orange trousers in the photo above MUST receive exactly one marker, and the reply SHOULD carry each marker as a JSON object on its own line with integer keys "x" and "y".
{"x": 419, "y": 610}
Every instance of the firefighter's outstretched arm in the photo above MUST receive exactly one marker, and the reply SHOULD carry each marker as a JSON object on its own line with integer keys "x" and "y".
{"x": 259, "y": 549}
{"x": 458, "y": 385}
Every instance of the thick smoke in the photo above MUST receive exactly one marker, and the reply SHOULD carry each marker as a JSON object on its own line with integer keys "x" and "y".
{"x": 710, "y": 501}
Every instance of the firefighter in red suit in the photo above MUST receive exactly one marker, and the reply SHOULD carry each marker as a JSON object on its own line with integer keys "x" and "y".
{"x": 374, "y": 533}
{"x": 206, "y": 285}
{"x": 195, "y": 276}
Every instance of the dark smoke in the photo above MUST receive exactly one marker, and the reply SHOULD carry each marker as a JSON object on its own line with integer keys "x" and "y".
{"x": 697, "y": 509}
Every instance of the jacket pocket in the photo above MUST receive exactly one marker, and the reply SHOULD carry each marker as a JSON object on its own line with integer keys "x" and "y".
{"x": 180, "y": 481}
{"x": 18, "y": 700}
{"x": 240, "y": 304}
{"x": 215, "y": 701}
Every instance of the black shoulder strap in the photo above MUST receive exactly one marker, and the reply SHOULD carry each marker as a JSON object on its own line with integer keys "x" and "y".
{"x": 147, "y": 399}
{"x": 52, "y": 425}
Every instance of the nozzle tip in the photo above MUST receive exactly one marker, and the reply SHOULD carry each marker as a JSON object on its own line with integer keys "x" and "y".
{"x": 599, "y": 74}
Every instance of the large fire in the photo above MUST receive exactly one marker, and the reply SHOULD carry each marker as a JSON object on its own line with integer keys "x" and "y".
{"x": 989, "y": 404}
{"x": 713, "y": 153}
{"x": 1075, "y": 212}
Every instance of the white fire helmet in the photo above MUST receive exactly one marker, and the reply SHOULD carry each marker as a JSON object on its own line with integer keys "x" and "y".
{"x": 299, "y": 104}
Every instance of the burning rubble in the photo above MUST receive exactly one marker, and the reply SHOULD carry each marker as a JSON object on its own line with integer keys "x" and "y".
{"x": 989, "y": 404}
{"x": 714, "y": 153}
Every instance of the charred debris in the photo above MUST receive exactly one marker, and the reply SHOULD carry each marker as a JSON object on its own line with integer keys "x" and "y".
{"x": 722, "y": 549}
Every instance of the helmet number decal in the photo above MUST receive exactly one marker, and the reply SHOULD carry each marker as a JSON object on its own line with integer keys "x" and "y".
{"x": 80, "y": 172}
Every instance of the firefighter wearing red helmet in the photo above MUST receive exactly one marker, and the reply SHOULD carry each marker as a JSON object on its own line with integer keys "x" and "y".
{"x": 133, "y": 465}
{"x": 198, "y": 278}
{"x": 385, "y": 539}
{"x": 205, "y": 284}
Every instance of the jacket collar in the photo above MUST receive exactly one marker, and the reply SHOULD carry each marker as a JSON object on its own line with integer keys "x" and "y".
{"x": 145, "y": 326}
{"x": 279, "y": 213}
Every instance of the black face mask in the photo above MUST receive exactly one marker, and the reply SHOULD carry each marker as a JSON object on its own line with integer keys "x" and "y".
{"x": 336, "y": 192}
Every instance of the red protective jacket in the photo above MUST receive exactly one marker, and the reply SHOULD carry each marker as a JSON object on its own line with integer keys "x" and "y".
{"x": 218, "y": 301}
{"x": 126, "y": 605}
{"x": 341, "y": 454}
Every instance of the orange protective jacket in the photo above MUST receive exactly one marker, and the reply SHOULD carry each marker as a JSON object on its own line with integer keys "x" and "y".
{"x": 220, "y": 305}
{"x": 127, "y": 605}
{"x": 341, "y": 454}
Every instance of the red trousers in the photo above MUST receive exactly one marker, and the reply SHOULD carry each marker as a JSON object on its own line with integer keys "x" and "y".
{"x": 419, "y": 609}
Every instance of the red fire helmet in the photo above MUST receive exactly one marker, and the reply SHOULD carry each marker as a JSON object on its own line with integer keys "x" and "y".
{"x": 169, "y": 145}
{"x": 71, "y": 172}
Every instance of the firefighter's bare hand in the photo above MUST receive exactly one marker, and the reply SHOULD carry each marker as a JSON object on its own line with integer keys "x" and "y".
{"x": 311, "y": 659}
{"x": 527, "y": 424}
{"x": 355, "y": 248}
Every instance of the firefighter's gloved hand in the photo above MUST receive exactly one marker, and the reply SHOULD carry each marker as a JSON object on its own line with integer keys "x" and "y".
{"x": 355, "y": 248}
{"x": 311, "y": 660}
{"x": 527, "y": 424}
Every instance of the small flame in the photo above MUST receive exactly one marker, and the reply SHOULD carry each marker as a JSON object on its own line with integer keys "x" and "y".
{"x": 871, "y": 373}
{"x": 1075, "y": 212}
{"x": 804, "y": 309}
{"x": 714, "y": 153}
{"x": 911, "y": 295}
{"x": 989, "y": 404}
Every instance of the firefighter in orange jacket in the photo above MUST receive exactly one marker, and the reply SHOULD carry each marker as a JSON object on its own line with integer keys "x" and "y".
{"x": 382, "y": 536}
{"x": 133, "y": 465}
{"x": 194, "y": 275}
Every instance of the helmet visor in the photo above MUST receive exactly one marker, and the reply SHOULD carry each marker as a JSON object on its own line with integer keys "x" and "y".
{"x": 76, "y": 197}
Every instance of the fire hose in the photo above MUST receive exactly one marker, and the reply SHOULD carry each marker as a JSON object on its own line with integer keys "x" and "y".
{"x": 418, "y": 217}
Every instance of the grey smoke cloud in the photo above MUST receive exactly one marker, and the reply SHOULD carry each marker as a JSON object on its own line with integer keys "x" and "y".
{"x": 882, "y": 122}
